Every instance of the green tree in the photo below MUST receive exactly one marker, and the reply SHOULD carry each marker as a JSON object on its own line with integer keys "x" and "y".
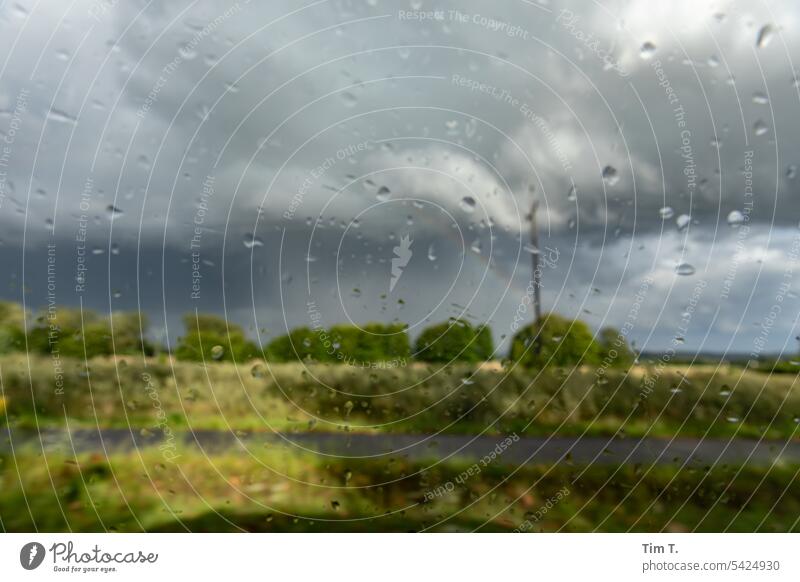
{"x": 557, "y": 341}
{"x": 129, "y": 329}
{"x": 12, "y": 322}
{"x": 455, "y": 339}
{"x": 70, "y": 332}
{"x": 212, "y": 338}
{"x": 614, "y": 348}
{"x": 302, "y": 343}
{"x": 374, "y": 342}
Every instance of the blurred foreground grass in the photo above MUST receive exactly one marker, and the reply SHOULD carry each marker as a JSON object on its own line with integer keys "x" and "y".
{"x": 276, "y": 491}
{"x": 702, "y": 400}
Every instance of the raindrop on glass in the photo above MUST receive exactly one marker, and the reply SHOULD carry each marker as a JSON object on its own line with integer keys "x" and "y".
{"x": 610, "y": 176}
{"x": 647, "y": 51}
{"x": 349, "y": 99}
{"x": 572, "y": 195}
{"x": 251, "y": 241}
{"x": 61, "y": 117}
{"x": 113, "y": 212}
{"x": 735, "y": 218}
{"x": 431, "y": 253}
{"x": 383, "y": 194}
{"x": 764, "y": 35}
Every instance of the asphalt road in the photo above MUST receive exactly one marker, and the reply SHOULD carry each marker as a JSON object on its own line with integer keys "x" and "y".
{"x": 525, "y": 450}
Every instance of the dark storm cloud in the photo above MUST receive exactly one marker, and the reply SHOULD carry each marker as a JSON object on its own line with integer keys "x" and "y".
{"x": 239, "y": 140}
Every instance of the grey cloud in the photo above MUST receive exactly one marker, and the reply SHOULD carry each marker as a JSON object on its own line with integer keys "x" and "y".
{"x": 139, "y": 106}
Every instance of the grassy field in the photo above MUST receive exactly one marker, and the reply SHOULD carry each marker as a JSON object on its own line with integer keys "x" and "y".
{"x": 277, "y": 490}
{"x": 701, "y": 401}
{"x": 291, "y": 492}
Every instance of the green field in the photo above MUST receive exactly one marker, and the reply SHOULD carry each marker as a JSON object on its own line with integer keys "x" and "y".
{"x": 269, "y": 490}
{"x": 420, "y": 398}
{"x": 291, "y": 492}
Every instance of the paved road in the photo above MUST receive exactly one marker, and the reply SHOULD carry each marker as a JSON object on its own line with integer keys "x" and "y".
{"x": 526, "y": 450}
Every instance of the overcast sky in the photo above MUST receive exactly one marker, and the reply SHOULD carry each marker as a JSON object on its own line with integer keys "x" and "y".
{"x": 291, "y": 145}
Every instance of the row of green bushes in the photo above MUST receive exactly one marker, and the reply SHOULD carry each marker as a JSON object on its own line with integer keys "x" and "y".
{"x": 73, "y": 333}
{"x": 555, "y": 340}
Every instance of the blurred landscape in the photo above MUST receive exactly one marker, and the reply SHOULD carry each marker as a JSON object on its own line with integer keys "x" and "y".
{"x": 145, "y": 440}
{"x": 365, "y": 265}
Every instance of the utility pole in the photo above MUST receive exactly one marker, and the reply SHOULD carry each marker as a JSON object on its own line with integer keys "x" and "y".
{"x": 537, "y": 273}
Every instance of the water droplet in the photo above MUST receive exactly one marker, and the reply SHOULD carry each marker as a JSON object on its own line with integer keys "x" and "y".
{"x": 187, "y": 52}
{"x": 349, "y": 99}
{"x": 431, "y": 253}
{"x": 666, "y": 213}
{"x": 735, "y": 218}
{"x": 217, "y": 352}
{"x": 383, "y": 194}
{"x": 467, "y": 204}
{"x": 258, "y": 371}
{"x": 733, "y": 419}
{"x": 685, "y": 270}
{"x": 791, "y": 171}
{"x": 572, "y": 195}
{"x": 476, "y": 246}
{"x": 61, "y": 117}
{"x": 610, "y": 176}
{"x": 683, "y": 221}
{"x": 530, "y": 249}
{"x": 648, "y": 50}
{"x": 760, "y": 98}
{"x": 113, "y": 212}
{"x": 251, "y": 241}
{"x": 760, "y": 128}
{"x": 764, "y": 35}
